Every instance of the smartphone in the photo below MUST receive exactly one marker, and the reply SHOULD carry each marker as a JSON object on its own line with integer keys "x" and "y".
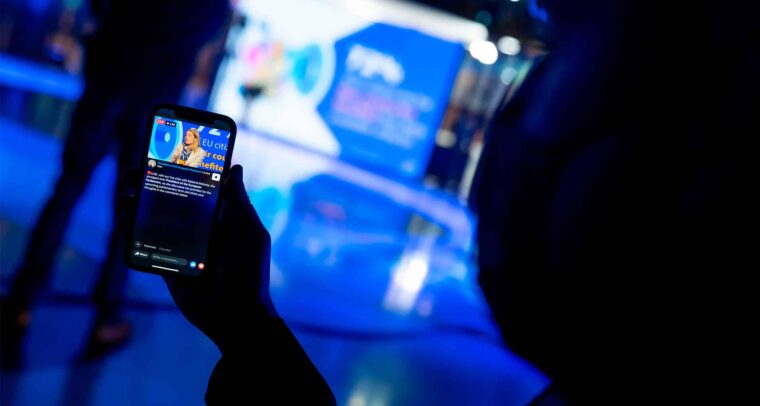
{"x": 188, "y": 154}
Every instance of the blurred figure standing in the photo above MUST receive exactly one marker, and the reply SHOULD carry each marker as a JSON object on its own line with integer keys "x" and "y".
{"x": 141, "y": 53}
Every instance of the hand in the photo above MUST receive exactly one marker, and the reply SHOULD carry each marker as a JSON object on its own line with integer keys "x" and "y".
{"x": 225, "y": 302}
{"x": 230, "y": 303}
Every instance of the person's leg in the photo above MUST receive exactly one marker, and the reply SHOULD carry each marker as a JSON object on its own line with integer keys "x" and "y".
{"x": 84, "y": 147}
{"x": 159, "y": 85}
{"x": 111, "y": 285}
{"x": 111, "y": 330}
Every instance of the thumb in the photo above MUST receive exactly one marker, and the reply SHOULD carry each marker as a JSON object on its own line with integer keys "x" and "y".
{"x": 233, "y": 191}
{"x": 131, "y": 178}
{"x": 236, "y": 198}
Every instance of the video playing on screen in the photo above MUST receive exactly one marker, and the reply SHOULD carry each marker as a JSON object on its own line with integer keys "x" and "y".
{"x": 188, "y": 144}
{"x": 182, "y": 177}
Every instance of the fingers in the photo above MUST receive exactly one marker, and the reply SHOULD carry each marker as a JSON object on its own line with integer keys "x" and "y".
{"x": 126, "y": 205}
{"x": 233, "y": 191}
{"x": 187, "y": 284}
{"x": 178, "y": 283}
{"x": 169, "y": 280}
{"x": 130, "y": 178}
{"x": 126, "y": 214}
{"x": 236, "y": 198}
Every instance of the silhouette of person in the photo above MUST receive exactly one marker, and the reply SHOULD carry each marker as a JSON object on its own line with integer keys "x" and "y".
{"x": 605, "y": 191}
{"x": 142, "y": 53}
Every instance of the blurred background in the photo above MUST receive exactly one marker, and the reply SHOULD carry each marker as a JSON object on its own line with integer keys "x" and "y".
{"x": 360, "y": 127}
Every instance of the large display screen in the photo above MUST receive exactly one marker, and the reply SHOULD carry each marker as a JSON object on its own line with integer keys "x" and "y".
{"x": 323, "y": 75}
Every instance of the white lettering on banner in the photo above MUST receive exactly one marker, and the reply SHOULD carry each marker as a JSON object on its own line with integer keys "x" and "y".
{"x": 368, "y": 63}
{"x": 220, "y": 145}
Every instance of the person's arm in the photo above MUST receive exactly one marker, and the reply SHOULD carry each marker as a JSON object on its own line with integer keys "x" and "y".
{"x": 175, "y": 154}
{"x": 267, "y": 362}
{"x": 230, "y": 303}
{"x": 196, "y": 158}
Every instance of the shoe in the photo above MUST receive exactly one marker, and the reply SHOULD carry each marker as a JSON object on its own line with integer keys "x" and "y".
{"x": 107, "y": 338}
{"x": 14, "y": 321}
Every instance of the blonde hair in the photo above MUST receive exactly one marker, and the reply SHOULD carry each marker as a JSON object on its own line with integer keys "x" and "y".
{"x": 197, "y": 135}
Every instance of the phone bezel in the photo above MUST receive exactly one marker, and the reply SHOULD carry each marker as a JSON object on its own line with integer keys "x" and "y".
{"x": 194, "y": 115}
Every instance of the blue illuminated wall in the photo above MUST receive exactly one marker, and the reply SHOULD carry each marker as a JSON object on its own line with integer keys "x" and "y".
{"x": 390, "y": 89}
{"x": 372, "y": 93}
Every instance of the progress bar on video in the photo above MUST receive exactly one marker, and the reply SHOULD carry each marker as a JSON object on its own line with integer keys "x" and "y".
{"x": 163, "y": 267}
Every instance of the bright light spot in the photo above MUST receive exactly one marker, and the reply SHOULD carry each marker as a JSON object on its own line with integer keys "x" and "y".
{"x": 484, "y": 51}
{"x": 167, "y": 137}
{"x": 407, "y": 280}
{"x": 367, "y": 392}
{"x": 514, "y": 1}
{"x": 445, "y": 138}
{"x": 509, "y": 45}
{"x": 413, "y": 274}
{"x": 357, "y": 399}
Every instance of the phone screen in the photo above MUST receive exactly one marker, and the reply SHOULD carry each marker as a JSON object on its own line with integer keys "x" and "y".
{"x": 179, "y": 195}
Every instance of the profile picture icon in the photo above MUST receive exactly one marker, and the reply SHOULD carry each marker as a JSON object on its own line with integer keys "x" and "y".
{"x": 152, "y": 163}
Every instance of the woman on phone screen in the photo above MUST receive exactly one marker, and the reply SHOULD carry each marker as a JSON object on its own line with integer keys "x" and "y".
{"x": 189, "y": 152}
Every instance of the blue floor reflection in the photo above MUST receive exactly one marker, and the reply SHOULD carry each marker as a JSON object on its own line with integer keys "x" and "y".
{"x": 375, "y": 276}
